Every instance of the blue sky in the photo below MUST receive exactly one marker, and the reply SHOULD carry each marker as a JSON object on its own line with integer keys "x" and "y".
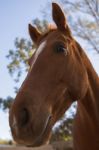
{"x": 14, "y": 18}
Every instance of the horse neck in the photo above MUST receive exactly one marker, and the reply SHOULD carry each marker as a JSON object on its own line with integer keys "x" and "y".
{"x": 90, "y": 102}
{"x": 86, "y": 127}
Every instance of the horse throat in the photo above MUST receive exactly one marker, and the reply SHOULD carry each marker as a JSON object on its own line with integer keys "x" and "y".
{"x": 86, "y": 126}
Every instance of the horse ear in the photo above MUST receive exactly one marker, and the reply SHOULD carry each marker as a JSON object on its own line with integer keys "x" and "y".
{"x": 58, "y": 16}
{"x": 34, "y": 33}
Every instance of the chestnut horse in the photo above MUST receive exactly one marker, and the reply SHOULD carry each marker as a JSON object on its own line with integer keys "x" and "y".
{"x": 60, "y": 73}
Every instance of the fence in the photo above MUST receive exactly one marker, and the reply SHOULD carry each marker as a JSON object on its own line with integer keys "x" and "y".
{"x": 61, "y": 145}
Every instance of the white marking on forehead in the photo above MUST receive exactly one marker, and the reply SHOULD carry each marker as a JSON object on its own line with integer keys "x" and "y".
{"x": 38, "y": 52}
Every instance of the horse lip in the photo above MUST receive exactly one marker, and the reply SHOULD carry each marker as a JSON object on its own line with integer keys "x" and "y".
{"x": 39, "y": 139}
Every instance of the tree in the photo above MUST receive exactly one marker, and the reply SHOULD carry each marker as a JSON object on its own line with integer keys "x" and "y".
{"x": 84, "y": 20}
{"x": 19, "y": 57}
{"x": 23, "y": 51}
{"x": 6, "y": 103}
{"x": 63, "y": 131}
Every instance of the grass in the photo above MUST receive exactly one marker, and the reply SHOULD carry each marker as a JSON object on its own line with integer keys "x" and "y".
{"x": 6, "y": 142}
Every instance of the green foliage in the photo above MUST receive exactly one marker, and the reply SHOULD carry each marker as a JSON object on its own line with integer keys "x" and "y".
{"x": 83, "y": 17}
{"x": 23, "y": 50}
{"x": 42, "y": 25}
{"x": 6, "y": 103}
{"x": 19, "y": 57}
{"x": 63, "y": 131}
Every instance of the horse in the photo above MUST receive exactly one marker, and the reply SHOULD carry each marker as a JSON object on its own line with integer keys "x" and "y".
{"x": 60, "y": 73}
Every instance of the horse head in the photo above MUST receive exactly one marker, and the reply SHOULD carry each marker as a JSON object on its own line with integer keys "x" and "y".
{"x": 56, "y": 78}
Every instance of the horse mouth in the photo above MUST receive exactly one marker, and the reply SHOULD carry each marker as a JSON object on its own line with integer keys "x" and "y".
{"x": 42, "y": 137}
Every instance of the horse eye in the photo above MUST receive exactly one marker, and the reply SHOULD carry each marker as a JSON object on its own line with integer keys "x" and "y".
{"x": 60, "y": 48}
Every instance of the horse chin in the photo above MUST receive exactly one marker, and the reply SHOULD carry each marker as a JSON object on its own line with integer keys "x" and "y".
{"x": 43, "y": 138}
{"x": 33, "y": 144}
{"x": 38, "y": 141}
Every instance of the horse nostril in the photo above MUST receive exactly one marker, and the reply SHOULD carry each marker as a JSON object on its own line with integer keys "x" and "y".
{"x": 24, "y": 117}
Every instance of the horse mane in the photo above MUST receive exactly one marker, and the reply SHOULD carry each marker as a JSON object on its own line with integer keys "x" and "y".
{"x": 50, "y": 28}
